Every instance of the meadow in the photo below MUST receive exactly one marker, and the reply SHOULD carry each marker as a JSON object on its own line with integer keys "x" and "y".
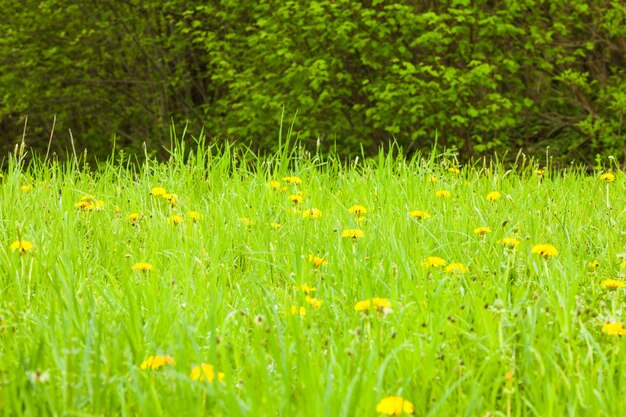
{"x": 222, "y": 284}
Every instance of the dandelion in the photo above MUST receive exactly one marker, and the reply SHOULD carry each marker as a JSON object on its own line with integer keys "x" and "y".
{"x": 393, "y": 406}
{"x": 612, "y": 284}
{"x": 133, "y": 218}
{"x": 381, "y": 305}
{"x": 613, "y": 329}
{"x": 354, "y": 234}
{"x": 306, "y": 289}
{"x": 175, "y": 219}
{"x": 454, "y": 170}
{"x": 442, "y": 193}
{"x": 142, "y": 266}
{"x": 493, "y": 196}
{"x": 172, "y": 198}
{"x": 456, "y": 268}
{"x": 274, "y": 185}
{"x": 509, "y": 242}
{"x": 205, "y": 372}
{"x": 246, "y": 221}
{"x": 540, "y": 171}
{"x": 312, "y": 213}
{"x": 433, "y": 262}
{"x": 296, "y": 198}
{"x": 156, "y": 362}
{"x": 295, "y": 311}
{"x": 607, "y": 177}
{"x": 432, "y": 179}
{"x": 194, "y": 216}
{"x": 419, "y": 214}
{"x": 482, "y": 231}
{"x": 593, "y": 265}
{"x": 21, "y": 246}
{"x": 276, "y": 226}
{"x": 313, "y": 302}
{"x": 359, "y": 210}
{"x": 158, "y": 191}
{"x": 545, "y": 249}
{"x": 317, "y": 261}
{"x": 26, "y": 188}
{"x": 292, "y": 180}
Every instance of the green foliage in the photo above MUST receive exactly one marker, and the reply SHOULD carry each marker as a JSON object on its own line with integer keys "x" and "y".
{"x": 482, "y": 75}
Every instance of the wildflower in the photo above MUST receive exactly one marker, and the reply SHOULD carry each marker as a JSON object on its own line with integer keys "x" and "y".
{"x": 456, "y": 268}
{"x": 433, "y": 262}
{"x": 380, "y": 305}
{"x": 540, "y": 171}
{"x": 361, "y": 220}
{"x": 432, "y": 178}
{"x": 117, "y": 209}
{"x": 359, "y": 210}
{"x": 509, "y": 242}
{"x": 545, "y": 249}
{"x": 133, "y": 218}
{"x": 306, "y": 289}
{"x": 246, "y": 221}
{"x": 172, "y": 198}
{"x": 612, "y": 284}
{"x": 613, "y": 329}
{"x": 312, "y": 213}
{"x": 296, "y": 198}
{"x": 194, "y": 216}
{"x": 175, "y": 219}
{"x": 205, "y": 372}
{"x": 607, "y": 177}
{"x": 454, "y": 170}
{"x": 156, "y": 362}
{"x": 142, "y": 266}
{"x": 26, "y": 188}
{"x": 313, "y": 302}
{"x": 292, "y": 180}
{"x": 276, "y": 226}
{"x": 493, "y": 196}
{"x": 317, "y": 261}
{"x": 295, "y": 310}
{"x": 593, "y": 265}
{"x": 419, "y": 214}
{"x": 274, "y": 185}
{"x": 158, "y": 191}
{"x": 353, "y": 233}
{"x": 442, "y": 193}
{"x": 21, "y": 246}
{"x": 393, "y": 406}
{"x": 482, "y": 231}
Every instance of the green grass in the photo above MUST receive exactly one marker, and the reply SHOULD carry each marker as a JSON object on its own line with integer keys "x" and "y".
{"x": 77, "y": 322}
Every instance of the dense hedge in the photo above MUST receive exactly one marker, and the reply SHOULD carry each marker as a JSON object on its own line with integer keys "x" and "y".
{"x": 480, "y": 74}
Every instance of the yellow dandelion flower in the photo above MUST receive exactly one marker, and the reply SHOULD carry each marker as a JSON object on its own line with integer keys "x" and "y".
{"x": 608, "y": 177}
{"x": 493, "y": 196}
{"x": 295, "y": 311}
{"x": 432, "y": 178}
{"x": 246, "y": 221}
{"x": 276, "y": 226}
{"x": 540, "y": 171}
{"x": 26, "y": 188}
{"x": 358, "y": 209}
{"x": 205, "y": 372}
{"x": 593, "y": 265}
{"x": 21, "y": 246}
{"x": 379, "y": 304}
{"x": 274, "y": 185}
{"x": 312, "y": 213}
{"x": 156, "y": 362}
{"x": 612, "y": 284}
{"x": 614, "y": 329}
{"x": 454, "y": 170}
{"x": 545, "y": 249}
{"x": 482, "y": 231}
{"x": 172, "y": 198}
{"x": 313, "y": 302}
{"x": 194, "y": 216}
{"x": 296, "y": 198}
{"x": 456, "y": 268}
{"x": 419, "y": 214}
{"x": 84, "y": 205}
{"x": 133, "y": 218}
{"x": 442, "y": 193}
{"x": 354, "y": 234}
{"x": 142, "y": 266}
{"x": 433, "y": 262}
{"x": 317, "y": 261}
{"x": 292, "y": 180}
{"x": 393, "y": 406}
{"x": 306, "y": 289}
{"x": 509, "y": 242}
{"x": 158, "y": 191}
{"x": 175, "y": 219}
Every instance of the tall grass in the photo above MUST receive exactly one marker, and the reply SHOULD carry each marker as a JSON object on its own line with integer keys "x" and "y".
{"x": 515, "y": 335}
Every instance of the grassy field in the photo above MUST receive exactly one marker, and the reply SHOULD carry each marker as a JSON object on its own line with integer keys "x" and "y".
{"x": 225, "y": 285}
